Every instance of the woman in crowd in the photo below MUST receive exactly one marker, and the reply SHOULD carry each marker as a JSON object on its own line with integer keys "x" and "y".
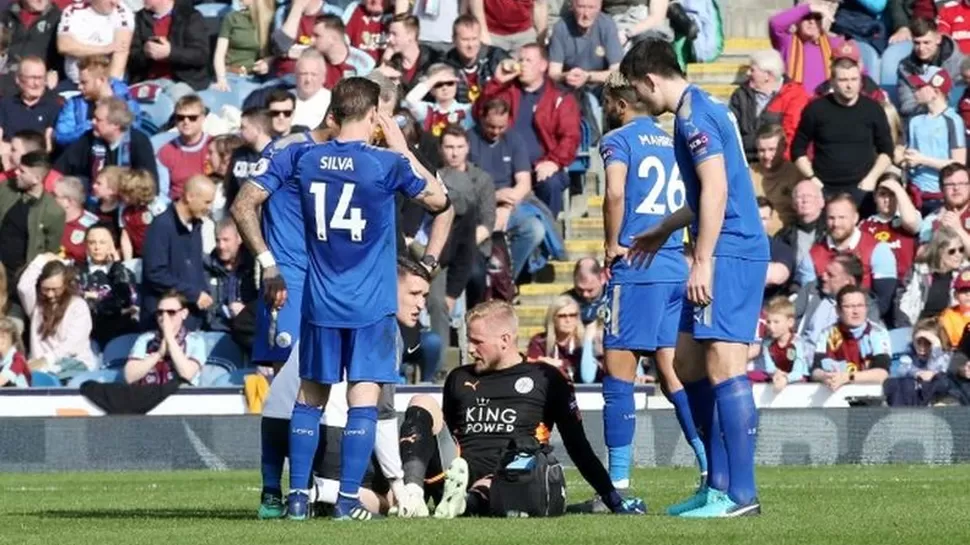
{"x": 241, "y": 57}
{"x": 108, "y": 288}
{"x": 565, "y": 343}
{"x": 14, "y": 371}
{"x": 60, "y": 322}
{"x": 140, "y": 207}
{"x": 929, "y": 290}
{"x": 221, "y": 149}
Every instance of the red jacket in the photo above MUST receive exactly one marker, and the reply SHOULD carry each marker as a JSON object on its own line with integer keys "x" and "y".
{"x": 822, "y": 254}
{"x": 786, "y": 107}
{"x": 557, "y": 118}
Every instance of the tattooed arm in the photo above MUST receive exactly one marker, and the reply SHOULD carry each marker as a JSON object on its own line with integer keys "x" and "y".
{"x": 246, "y": 212}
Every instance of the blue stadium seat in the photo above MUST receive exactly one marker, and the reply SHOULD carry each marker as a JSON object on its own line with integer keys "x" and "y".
{"x": 213, "y": 375}
{"x": 40, "y": 379}
{"x": 900, "y": 339}
{"x": 116, "y": 352}
{"x": 104, "y": 376}
{"x": 581, "y": 163}
{"x": 223, "y": 351}
{"x": 213, "y": 10}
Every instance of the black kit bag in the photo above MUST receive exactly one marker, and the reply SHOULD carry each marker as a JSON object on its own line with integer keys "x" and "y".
{"x": 529, "y": 482}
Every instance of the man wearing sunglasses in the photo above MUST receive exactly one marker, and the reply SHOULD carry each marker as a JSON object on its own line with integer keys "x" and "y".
{"x": 280, "y": 103}
{"x": 169, "y": 353}
{"x": 186, "y": 155}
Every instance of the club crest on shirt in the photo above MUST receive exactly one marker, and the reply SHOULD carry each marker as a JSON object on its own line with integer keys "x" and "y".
{"x": 524, "y": 385}
{"x": 77, "y": 236}
{"x": 600, "y": 51}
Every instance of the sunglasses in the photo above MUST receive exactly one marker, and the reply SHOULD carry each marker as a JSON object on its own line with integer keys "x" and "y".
{"x": 568, "y": 315}
{"x": 445, "y": 84}
{"x": 170, "y": 311}
{"x": 279, "y": 113}
{"x": 192, "y": 117}
{"x": 954, "y": 251}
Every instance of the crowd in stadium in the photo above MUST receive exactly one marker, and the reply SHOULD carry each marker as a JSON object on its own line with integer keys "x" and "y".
{"x": 128, "y": 129}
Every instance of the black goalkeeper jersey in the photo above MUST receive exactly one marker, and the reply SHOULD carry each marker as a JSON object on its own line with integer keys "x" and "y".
{"x": 484, "y": 411}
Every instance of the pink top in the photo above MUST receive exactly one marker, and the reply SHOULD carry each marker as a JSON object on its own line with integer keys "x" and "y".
{"x": 780, "y": 27}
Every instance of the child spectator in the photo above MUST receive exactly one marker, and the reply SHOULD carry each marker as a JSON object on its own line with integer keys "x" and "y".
{"x": 14, "y": 371}
{"x": 108, "y": 287}
{"x": 955, "y": 318}
{"x": 928, "y": 355}
{"x": 783, "y": 359}
{"x": 69, "y": 194}
{"x": 107, "y": 205}
{"x": 442, "y": 83}
{"x": 140, "y": 206}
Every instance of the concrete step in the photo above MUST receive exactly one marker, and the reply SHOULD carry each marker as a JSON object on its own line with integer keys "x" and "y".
{"x": 577, "y": 248}
{"x": 586, "y": 228}
{"x": 740, "y": 49}
{"x": 541, "y": 295}
{"x": 722, "y": 72}
{"x": 564, "y": 270}
{"x": 526, "y": 333}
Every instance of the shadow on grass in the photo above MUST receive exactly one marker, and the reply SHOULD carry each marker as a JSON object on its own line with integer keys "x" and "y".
{"x": 148, "y": 514}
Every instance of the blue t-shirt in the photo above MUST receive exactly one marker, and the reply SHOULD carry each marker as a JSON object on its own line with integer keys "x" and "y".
{"x": 706, "y": 128}
{"x": 934, "y": 136}
{"x": 501, "y": 159}
{"x": 595, "y": 49}
{"x": 653, "y": 190}
{"x": 524, "y": 124}
{"x": 282, "y": 215}
{"x": 347, "y": 192}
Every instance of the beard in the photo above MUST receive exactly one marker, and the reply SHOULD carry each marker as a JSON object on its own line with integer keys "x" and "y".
{"x": 613, "y": 120}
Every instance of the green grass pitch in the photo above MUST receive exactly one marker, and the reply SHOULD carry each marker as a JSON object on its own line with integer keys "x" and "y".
{"x": 842, "y": 505}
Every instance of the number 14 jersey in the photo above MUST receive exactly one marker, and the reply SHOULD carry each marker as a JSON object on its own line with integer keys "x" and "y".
{"x": 653, "y": 190}
{"x": 347, "y": 195}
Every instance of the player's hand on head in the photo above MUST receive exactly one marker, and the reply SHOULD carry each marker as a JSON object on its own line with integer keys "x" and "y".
{"x": 392, "y": 133}
{"x": 699, "y": 283}
{"x": 274, "y": 288}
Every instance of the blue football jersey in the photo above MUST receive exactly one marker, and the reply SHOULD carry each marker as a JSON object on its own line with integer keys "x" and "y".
{"x": 282, "y": 214}
{"x": 653, "y": 190}
{"x": 347, "y": 190}
{"x": 706, "y": 128}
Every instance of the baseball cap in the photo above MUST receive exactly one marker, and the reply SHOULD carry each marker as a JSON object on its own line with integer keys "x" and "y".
{"x": 962, "y": 281}
{"x": 848, "y": 50}
{"x": 934, "y": 76}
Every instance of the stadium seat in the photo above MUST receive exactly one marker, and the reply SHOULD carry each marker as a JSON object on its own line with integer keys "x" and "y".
{"x": 900, "y": 339}
{"x": 40, "y": 379}
{"x": 223, "y": 351}
{"x": 214, "y": 10}
{"x": 116, "y": 352}
{"x": 213, "y": 375}
{"x": 134, "y": 266}
{"x": 104, "y": 376}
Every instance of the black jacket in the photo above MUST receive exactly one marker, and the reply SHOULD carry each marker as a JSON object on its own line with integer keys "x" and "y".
{"x": 190, "y": 57}
{"x": 485, "y": 67}
{"x": 38, "y": 40}
{"x": 116, "y": 291}
{"x": 789, "y": 234}
{"x": 77, "y": 160}
{"x": 227, "y": 286}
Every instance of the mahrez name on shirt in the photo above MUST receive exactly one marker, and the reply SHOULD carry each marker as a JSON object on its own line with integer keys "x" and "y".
{"x": 336, "y": 163}
{"x": 661, "y": 140}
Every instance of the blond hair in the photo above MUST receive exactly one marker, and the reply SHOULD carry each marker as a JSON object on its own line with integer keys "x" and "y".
{"x": 895, "y": 122}
{"x": 9, "y": 327}
{"x": 495, "y": 312}
{"x": 261, "y": 13}
{"x": 780, "y": 305}
{"x": 560, "y": 303}
{"x": 113, "y": 175}
{"x": 137, "y": 188}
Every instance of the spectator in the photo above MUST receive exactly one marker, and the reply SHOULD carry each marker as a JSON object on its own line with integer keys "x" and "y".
{"x": 850, "y": 134}
{"x": 561, "y": 344}
{"x": 31, "y": 222}
{"x": 896, "y": 131}
{"x": 242, "y": 58}
{"x": 799, "y": 35}
{"x": 404, "y": 54}
{"x": 280, "y": 104}
{"x": 936, "y": 138}
{"x": 108, "y": 287}
{"x": 585, "y": 47}
{"x": 928, "y": 292}
{"x": 774, "y": 176}
{"x": 31, "y": 25}
{"x": 955, "y": 213}
{"x": 97, "y": 27}
{"x": 107, "y": 201}
{"x": 809, "y": 224}
{"x": 296, "y": 34}
{"x": 188, "y": 154}
{"x": 475, "y": 62}
{"x": 172, "y": 352}
{"x": 60, "y": 323}
{"x": 170, "y": 48}
{"x": 231, "y": 277}
{"x": 140, "y": 206}
{"x": 22, "y": 143}
{"x": 870, "y": 88}
{"x": 545, "y": 117}
{"x": 783, "y": 358}
{"x": 32, "y": 106}
{"x": 69, "y": 194}
{"x": 767, "y": 98}
{"x": 589, "y": 288}
{"x": 901, "y": 14}
{"x": 95, "y": 83}
{"x": 963, "y": 106}
{"x": 862, "y": 20}
{"x": 816, "y": 303}
{"x": 878, "y": 260}
{"x": 503, "y": 155}
{"x": 855, "y": 350}
{"x": 896, "y": 222}
{"x": 343, "y": 60}
{"x": 367, "y": 27}
{"x": 435, "y": 21}
{"x": 14, "y": 371}
{"x": 312, "y": 98}
{"x": 953, "y": 20}
{"x": 511, "y": 25}
{"x": 256, "y": 129}
{"x": 928, "y": 355}
{"x": 175, "y": 262}
{"x": 111, "y": 141}
{"x": 637, "y": 20}
{"x": 10, "y": 305}
{"x": 955, "y": 318}
{"x": 221, "y": 150}
{"x": 435, "y": 116}
{"x": 782, "y": 263}
{"x": 929, "y": 49}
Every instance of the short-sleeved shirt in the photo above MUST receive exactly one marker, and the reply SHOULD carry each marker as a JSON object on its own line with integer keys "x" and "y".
{"x": 238, "y": 28}
{"x": 525, "y": 123}
{"x": 347, "y": 192}
{"x": 367, "y": 33}
{"x": 88, "y": 27}
{"x": 705, "y": 128}
{"x": 72, "y": 241}
{"x": 194, "y": 348}
{"x": 934, "y": 136}
{"x": 501, "y": 159}
{"x": 592, "y": 50}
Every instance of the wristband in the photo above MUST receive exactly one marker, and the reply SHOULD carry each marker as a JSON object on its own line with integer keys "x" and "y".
{"x": 266, "y": 260}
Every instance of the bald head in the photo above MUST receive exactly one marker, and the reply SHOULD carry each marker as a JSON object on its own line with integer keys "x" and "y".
{"x": 198, "y": 195}
{"x": 588, "y": 281}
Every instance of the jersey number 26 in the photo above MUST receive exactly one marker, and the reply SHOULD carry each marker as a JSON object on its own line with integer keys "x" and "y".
{"x": 672, "y": 189}
{"x": 344, "y": 217}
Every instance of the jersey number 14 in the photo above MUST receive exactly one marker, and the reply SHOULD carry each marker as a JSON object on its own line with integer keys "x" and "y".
{"x": 671, "y": 189}
{"x": 344, "y": 217}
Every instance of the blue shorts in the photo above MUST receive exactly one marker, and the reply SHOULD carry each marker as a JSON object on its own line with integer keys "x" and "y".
{"x": 367, "y": 354}
{"x": 642, "y": 317}
{"x": 737, "y": 291}
{"x": 287, "y": 324}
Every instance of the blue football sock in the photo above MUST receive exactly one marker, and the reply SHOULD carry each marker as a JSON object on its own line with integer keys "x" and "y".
{"x": 619, "y": 427}
{"x": 274, "y": 444}
{"x": 686, "y": 420}
{"x": 700, "y": 397}
{"x": 304, "y": 438}
{"x": 355, "y": 452}
{"x": 739, "y": 423}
